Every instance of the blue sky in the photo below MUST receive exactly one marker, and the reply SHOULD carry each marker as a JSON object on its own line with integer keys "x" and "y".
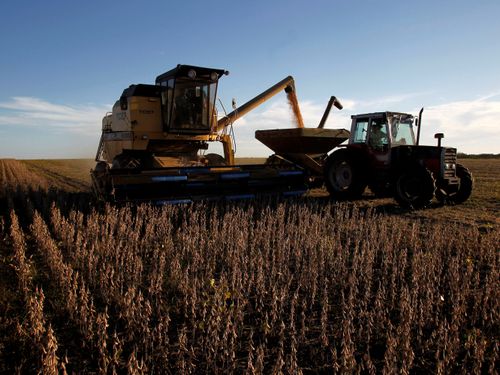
{"x": 64, "y": 63}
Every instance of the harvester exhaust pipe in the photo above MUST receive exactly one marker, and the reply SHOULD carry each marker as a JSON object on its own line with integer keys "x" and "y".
{"x": 333, "y": 101}
{"x": 286, "y": 84}
{"x": 419, "y": 125}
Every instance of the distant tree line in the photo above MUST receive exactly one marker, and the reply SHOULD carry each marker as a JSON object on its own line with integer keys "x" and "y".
{"x": 478, "y": 156}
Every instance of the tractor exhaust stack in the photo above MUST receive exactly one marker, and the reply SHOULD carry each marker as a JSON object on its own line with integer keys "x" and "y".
{"x": 419, "y": 125}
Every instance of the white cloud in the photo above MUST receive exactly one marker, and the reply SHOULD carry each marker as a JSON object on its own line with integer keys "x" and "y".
{"x": 386, "y": 102}
{"x": 471, "y": 126}
{"x": 35, "y": 112}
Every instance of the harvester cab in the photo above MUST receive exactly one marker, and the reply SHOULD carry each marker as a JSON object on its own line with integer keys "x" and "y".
{"x": 188, "y": 99}
{"x": 165, "y": 124}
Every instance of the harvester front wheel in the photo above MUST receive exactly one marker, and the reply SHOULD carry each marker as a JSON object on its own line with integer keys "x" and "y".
{"x": 124, "y": 161}
{"x": 343, "y": 177}
{"x": 101, "y": 185}
{"x": 415, "y": 188}
{"x": 215, "y": 160}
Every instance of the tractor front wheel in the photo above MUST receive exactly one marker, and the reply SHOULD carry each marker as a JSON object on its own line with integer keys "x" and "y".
{"x": 414, "y": 188}
{"x": 465, "y": 187}
{"x": 343, "y": 177}
{"x": 464, "y": 190}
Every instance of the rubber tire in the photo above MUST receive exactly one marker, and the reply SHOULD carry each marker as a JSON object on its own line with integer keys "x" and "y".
{"x": 343, "y": 176}
{"x": 215, "y": 159}
{"x": 277, "y": 161}
{"x": 101, "y": 167}
{"x": 101, "y": 185}
{"x": 124, "y": 161}
{"x": 466, "y": 184}
{"x": 414, "y": 188}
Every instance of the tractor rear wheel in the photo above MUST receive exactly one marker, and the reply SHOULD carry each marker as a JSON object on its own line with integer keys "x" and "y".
{"x": 343, "y": 176}
{"x": 414, "y": 188}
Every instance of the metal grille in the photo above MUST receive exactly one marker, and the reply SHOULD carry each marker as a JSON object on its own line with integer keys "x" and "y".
{"x": 450, "y": 159}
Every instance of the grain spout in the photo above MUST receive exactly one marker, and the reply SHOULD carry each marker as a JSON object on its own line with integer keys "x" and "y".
{"x": 294, "y": 105}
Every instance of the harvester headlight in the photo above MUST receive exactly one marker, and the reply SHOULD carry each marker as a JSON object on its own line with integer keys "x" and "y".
{"x": 214, "y": 76}
{"x": 191, "y": 74}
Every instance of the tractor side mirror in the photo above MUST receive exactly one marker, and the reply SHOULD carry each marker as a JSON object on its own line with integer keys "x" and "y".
{"x": 439, "y": 136}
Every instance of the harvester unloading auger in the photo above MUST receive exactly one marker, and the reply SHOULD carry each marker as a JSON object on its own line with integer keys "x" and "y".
{"x": 152, "y": 149}
{"x": 152, "y": 145}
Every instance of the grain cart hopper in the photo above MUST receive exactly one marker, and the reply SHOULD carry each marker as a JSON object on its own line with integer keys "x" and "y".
{"x": 384, "y": 154}
{"x": 153, "y": 145}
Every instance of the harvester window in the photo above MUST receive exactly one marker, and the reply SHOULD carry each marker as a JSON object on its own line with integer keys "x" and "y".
{"x": 166, "y": 102}
{"x": 192, "y": 106}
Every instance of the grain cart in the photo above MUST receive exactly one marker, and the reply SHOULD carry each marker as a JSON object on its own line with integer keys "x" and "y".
{"x": 384, "y": 154}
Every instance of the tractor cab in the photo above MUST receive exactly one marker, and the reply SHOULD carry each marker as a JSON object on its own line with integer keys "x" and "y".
{"x": 188, "y": 99}
{"x": 382, "y": 130}
{"x": 376, "y": 135}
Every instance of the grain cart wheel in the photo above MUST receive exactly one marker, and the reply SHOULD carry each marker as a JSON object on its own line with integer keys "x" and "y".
{"x": 343, "y": 177}
{"x": 465, "y": 188}
{"x": 277, "y": 161}
{"x": 415, "y": 188}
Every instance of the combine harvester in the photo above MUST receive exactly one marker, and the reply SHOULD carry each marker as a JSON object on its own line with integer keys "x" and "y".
{"x": 153, "y": 145}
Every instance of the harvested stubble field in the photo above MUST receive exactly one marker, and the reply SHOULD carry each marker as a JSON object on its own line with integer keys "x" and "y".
{"x": 297, "y": 286}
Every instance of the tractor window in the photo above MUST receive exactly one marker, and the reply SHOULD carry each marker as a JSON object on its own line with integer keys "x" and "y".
{"x": 402, "y": 131}
{"x": 360, "y": 131}
{"x": 378, "y": 139}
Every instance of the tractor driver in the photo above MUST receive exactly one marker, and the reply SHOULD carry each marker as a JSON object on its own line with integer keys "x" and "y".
{"x": 378, "y": 137}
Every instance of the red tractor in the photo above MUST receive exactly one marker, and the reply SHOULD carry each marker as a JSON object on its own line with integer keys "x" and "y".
{"x": 384, "y": 154}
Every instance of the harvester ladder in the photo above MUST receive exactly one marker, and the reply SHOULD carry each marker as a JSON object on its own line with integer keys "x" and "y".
{"x": 100, "y": 149}
{"x": 106, "y": 128}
